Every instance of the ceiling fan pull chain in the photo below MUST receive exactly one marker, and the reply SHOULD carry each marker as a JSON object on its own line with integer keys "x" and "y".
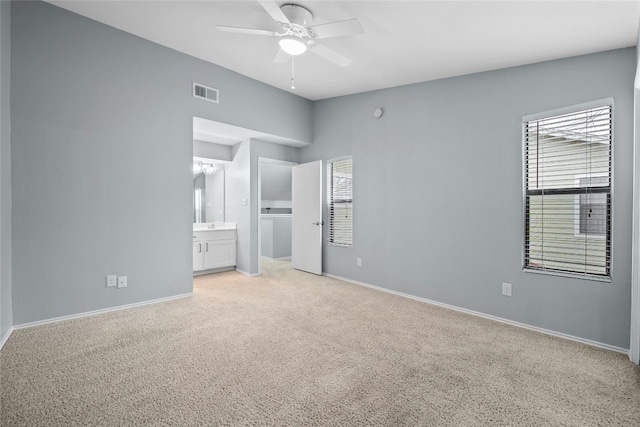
{"x": 293, "y": 78}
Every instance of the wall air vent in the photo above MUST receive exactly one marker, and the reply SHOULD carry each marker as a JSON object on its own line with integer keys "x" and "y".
{"x": 206, "y": 93}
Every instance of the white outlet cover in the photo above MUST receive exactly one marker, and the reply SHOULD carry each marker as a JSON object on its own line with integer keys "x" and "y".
{"x": 122, "y": 281}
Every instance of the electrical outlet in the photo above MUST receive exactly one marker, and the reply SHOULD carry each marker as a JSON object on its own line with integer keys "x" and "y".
{"x": 122, "y": 281}
{"x": 111, "y": 281}
{"x": 506, "y": 289}
{"x": 359, "y": 262}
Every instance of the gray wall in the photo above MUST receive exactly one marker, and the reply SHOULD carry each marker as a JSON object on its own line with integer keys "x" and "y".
{"x": 266, "y": 238}
{"x": 107, "y": 117}
{"x": 276, "y": 236}
{"x": 211, "y": 150}
{"x": 438, "y": 191}
{"x": 276, "y": 182}
{"x": 5, "y": 170}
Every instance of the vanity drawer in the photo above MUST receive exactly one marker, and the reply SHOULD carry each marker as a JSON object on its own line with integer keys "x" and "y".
{"x": 201, "y": 236}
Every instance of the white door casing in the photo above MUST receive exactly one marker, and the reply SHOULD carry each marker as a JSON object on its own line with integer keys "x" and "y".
{"x": 306, "y": 222}
{"x": 634, "y": 341}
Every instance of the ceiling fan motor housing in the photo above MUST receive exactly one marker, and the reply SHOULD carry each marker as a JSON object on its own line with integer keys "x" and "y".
{"x": 297, "y": 15}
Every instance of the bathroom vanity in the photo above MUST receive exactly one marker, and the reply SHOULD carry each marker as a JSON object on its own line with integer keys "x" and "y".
{"x": 214, "y": 247}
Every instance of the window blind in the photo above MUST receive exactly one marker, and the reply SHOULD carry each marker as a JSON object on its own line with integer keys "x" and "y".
{"x": 340, "y": 201}
{"x": 567, "y": 182}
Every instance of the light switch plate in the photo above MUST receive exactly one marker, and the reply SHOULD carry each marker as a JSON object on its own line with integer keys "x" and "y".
{"x": 506, "y": 289}
{"x": 111, "y": 281}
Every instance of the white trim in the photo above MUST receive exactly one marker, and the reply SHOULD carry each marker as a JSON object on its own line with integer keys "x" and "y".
{"x": 5, "y": 338}
{"x": 247, "y": 274}
{"x": 487, "y": 316}
{"x": 581, "y": 276}
{"x": 101, "y": 311}
{"x": 634, "y": 338}
{"x": 283, "y": 258}
{"x": 567, "y": 110}
{"x": 213, "y": 271}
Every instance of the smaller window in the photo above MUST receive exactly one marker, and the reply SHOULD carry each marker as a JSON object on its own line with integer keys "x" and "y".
{"x": 340, "y": 201}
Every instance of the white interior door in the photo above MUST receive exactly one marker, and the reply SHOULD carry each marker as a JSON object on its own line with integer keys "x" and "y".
{"x": 306, "y": 222}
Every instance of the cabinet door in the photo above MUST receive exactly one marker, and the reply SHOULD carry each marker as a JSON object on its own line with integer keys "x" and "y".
{"x": 198, "y": 256}
{"x": 219, "y": 253}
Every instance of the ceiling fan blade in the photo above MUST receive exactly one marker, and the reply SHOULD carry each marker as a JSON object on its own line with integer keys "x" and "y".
{"x": 329, "y": 54}
{"x": 350, "y": 27}
{"x": 282, "y": 57}
{"x": 273, "y": 9}
{"x": 246, "y": 31}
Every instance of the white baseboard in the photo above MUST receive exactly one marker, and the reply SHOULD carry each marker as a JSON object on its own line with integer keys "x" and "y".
{"x": 247, "y": 274}
{"x": 488, "y": 316}
{"x": 212, "y": 271}
{"x": 101, "y": 311}
{"x": 284, "y": 258}
{"x": 5, "y": 338}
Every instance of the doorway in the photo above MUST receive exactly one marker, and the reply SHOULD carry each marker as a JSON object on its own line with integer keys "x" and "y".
{"x": 274, "y": 210}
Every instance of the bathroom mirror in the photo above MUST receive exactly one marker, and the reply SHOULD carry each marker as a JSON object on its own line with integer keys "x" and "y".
{"x": 208, "y": 191}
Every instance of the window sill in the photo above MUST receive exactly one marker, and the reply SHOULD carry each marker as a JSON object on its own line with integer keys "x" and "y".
{"x": 568, "y": 275}
{"x": 339, "y": 245}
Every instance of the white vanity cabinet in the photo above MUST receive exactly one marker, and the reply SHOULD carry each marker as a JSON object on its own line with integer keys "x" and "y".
{"x": 213, "y": 249}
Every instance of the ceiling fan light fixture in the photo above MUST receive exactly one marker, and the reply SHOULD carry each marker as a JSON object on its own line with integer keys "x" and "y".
{"x": 293, "y": 45}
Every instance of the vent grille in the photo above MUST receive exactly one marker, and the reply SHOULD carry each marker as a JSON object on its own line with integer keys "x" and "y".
{"x": 206, "y": 93}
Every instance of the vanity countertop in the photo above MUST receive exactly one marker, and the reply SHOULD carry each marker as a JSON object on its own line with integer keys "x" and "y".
{"x": 214, "y": 226}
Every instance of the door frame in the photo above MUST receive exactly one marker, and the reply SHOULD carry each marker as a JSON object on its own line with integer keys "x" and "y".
{"x": 634, "y": 339}
{"x": 261, "y": 161}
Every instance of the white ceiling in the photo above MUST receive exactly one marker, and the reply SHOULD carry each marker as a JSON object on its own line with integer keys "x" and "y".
{"x": 404, "y": 41}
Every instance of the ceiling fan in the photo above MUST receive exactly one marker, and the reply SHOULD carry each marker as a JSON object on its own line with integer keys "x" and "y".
{"x": 298, "y": 35}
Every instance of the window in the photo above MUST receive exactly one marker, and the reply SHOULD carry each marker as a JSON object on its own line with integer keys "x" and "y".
{"x": 567, "y": 192}
{"x": 340, "y": 201}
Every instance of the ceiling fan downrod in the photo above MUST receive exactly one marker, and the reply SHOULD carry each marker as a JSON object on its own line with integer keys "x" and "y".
{"x": 293, "y": 78}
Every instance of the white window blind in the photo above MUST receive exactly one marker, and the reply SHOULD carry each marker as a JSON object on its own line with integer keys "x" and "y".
{"x": 567, "y": 180}
{"x": 340, "y": 201}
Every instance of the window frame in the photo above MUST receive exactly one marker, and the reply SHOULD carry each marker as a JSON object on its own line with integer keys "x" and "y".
{"x": 328, "y": 204}
{"x": 557, "y": 112}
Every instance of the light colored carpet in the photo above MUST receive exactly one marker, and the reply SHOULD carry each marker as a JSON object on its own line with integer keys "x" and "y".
{"x": 290, "y": 348}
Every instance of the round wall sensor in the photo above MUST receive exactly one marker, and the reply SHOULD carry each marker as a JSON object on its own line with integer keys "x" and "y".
{"x": 377, "y": 113}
